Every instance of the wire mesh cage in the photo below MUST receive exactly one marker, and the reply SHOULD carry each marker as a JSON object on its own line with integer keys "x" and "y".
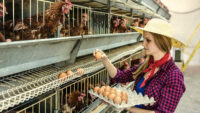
{"x": 39, "y": 90}
{"x": 40, "y": 19}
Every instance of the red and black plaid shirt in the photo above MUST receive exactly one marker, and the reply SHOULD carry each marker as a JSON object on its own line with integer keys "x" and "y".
{"x": 166, "y": 86}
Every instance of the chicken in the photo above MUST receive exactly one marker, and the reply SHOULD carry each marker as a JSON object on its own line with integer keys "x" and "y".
{"x": 2, "y": 38}
{"x": 79, "y": 28}
{"x": 114, "y": 24}
{"x": 122, "y": 26}
{"x": 125, "y": 66}
{"x": 45, "y": 27}
{"x": 75, "y": 101}
{"x": 2, "y": 7}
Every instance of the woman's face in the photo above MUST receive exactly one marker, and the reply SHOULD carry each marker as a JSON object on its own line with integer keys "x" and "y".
{"x": 149, "y": 44}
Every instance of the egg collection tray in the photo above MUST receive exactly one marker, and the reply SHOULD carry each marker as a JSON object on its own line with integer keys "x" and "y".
{"x": 133, "y": 98}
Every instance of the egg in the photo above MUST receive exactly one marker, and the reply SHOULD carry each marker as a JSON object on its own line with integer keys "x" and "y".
{"x": 111, "y": 96}
{"x": 103, "y": 87}
{"x": 100, "y": 91}
{"x": 80, "y": 71}
{"x": 96, "y": 89}
{"x": 70, "y": 73}
{"x": 62, "y": 75}
{"x": 124, "y": 94}
{"x": 98, "y": 55}
{"x": 105, "y": 93}
{"x": 118, "y": 100}
{"x": 125, "y": 99}
{"x": 118, "y": 93}
{"x": 107, "y": 88}
{"x": 113, "y": 90}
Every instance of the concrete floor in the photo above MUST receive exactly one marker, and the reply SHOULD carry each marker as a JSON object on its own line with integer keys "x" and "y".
{"x": 190, "y": 102}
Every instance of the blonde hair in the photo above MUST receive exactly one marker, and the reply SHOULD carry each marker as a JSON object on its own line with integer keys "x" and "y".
{"x": 163, "y": 43}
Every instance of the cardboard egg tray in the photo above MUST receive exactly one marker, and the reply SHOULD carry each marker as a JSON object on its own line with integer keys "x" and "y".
{"x": 133, "y": 98}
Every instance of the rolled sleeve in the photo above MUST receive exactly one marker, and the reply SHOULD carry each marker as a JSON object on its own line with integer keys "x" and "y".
{"x": 171, "y": 93}
{"x": 124, "y": 76}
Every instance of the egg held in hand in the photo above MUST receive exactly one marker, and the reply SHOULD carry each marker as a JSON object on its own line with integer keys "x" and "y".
{"x": 98, "y": 55}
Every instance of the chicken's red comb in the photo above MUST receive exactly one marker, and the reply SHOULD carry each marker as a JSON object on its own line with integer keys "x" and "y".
{"x": 69, "y": 3}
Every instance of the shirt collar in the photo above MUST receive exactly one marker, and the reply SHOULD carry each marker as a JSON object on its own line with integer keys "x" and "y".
{"x": 166, "y": 66}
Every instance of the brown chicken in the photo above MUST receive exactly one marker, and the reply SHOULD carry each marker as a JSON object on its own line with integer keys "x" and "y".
{"x": 45, "y": 27}
{"x": 122, "y": 26}
{"x": 75, "y": 101}
{"x": 2, "y": 38}
{"x": 77, "y": 29}
{"x": 114, "y": 24}
{"x": 81, "y": 29}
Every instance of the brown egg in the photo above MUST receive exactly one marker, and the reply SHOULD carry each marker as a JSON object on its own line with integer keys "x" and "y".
{"x": 62, "y": 75}
{"x": 98, "y": 55}
{"x": 70, "y": 73}
{"x": 96, "y": 89}
{"x": 118, "y": 100}
{"x": 118, "y": 93}
{"x": 80, "y": 71}
{"x": 107, "y": 88}
{"x": 111, "y": 96}
{"x": 100, "y": 91}
{"x": 124, "y": 94}
{"x": 113, "y": 90}
{"x": 125, "y": 99}
{"x": 103, "y": 87}
{"x": 105, "y": 93}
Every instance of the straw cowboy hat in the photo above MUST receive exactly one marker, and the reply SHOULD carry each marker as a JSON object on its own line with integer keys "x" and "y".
{"x": 161, "y": 27}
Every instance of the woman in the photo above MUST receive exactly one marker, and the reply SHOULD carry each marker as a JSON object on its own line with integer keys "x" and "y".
{"x": 158, "y": 76}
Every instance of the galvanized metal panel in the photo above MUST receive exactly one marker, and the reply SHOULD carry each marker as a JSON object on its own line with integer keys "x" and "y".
{"x": 24, "y": 55}
{"x": 150, "y": 4}
{"x": 161, "y": 12}
{"x": 106, "y": 41}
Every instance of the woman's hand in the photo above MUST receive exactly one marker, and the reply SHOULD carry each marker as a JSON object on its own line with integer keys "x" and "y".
{"x": 99, "y": 55}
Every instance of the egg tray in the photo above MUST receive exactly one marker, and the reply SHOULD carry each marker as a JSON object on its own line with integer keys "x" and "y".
{"x": 133, "y": 98}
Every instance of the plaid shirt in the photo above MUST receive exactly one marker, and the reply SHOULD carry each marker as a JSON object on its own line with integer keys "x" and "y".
{"x": 166, "y": 86}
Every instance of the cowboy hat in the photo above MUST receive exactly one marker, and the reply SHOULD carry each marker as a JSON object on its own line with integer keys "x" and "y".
{"x": 161, "y": 27}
